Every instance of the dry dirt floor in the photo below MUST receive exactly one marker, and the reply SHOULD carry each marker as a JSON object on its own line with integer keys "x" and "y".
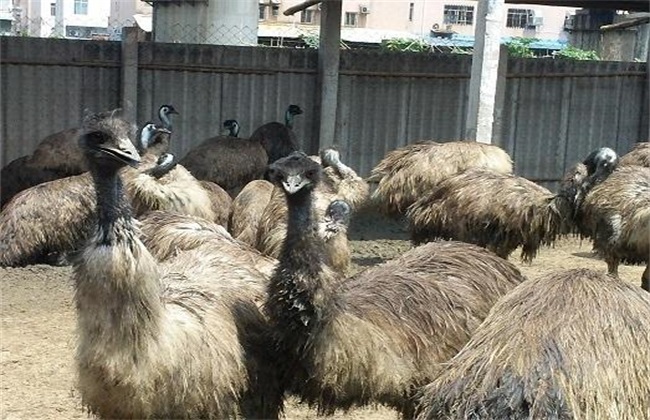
{"x": 38, "y": 321}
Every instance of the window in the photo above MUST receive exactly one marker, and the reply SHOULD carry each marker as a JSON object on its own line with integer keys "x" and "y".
{"x": 262, "y": 13}
{"x": 411, "y": 9}
{"x": 518, "y": 18}
{"x": 52, "y": 9}
{"x": 459, "y": 15}
{"x": 351, "y": 19}
{"x": 80, "y": 7}
{"x": 307, "y": 16}
{"x": 275, "y": 10}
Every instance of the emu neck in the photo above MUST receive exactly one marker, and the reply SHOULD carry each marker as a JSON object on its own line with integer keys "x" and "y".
{"x": 299, "y": 292}
{"x": 288, "y": 119}
{"x": 166, "y": 121}
{"x": 117, "y": 283}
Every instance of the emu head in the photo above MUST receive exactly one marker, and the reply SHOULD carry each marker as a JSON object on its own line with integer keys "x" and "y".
{"x": 601, "y": 162}
{"x": 296, "y": 172}
{"x": 166, "y": 162}
{"x": 294, "y": 110}
{"x": 231, "y": 128}
{"x": 330, "y": 157}
{"x": 336, "y": 220}
{"x": 152, "y": 136}
{"x": 106, "y": 141}
{"x": 164, "y": 113}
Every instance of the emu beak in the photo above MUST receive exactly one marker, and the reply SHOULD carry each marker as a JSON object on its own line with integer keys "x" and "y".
{"x": 124, "y": 151}
{"x": 163, "y": 130}
{"x": 294, "y": 183}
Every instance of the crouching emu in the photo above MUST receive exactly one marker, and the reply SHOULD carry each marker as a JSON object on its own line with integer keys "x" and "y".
{"x": 502, "y": 212}
{"x": 570, "y": 345}
{"x": 406, "y": 174}
{"x": 181, "y": 340}
{"x": 378, "y": 336}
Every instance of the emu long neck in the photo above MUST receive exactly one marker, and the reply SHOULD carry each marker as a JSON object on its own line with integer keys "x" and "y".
{"x": 299, "y": 291}
{"x": 117, "y": 283}
{"x": 166, "y": 121}
{"x": 288, "y": 119}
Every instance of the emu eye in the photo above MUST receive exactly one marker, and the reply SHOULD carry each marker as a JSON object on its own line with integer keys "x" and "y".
{"x": 310, "y": 174}
{"x": 95, "y": 138}
{"x": 273, "y": 174}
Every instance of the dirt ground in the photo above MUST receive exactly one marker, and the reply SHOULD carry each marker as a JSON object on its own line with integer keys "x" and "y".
{"x": 38, "y": 321}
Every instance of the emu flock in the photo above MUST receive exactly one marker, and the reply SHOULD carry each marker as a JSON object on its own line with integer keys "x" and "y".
{"x": 217, "y": 285}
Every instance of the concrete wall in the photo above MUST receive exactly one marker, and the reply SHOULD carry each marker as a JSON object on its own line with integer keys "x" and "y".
{"x": 556, "y": 111}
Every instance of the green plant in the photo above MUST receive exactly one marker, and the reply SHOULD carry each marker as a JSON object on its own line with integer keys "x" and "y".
{"x": 405, "y": 45}
{"x": 520, "y": 47}
{"x": 573, "y": 53}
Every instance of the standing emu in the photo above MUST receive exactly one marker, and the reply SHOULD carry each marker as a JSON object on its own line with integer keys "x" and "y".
{"x": 378, "y": 336}
{"x": 406, "y": 174}
{"x": 181, "y": 340}
{"x": 616, "y": 215}
{"x": 569, "y": 345}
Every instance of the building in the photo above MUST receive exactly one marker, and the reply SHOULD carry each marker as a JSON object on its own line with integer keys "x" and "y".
{"x": 425, "y": 17}
{"x": 80, "y": 19}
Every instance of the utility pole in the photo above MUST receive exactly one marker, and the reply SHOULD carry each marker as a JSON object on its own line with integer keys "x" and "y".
{"x": 329, "y": 53}
{"x": 486, "y": 78}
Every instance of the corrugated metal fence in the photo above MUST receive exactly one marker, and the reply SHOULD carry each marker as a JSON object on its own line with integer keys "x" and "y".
{"x": 555, "y": 111}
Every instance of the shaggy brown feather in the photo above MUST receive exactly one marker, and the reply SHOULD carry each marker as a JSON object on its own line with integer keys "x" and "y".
{"x": 498, "y": 211}
{"x": 247, "y": 210}
{"x": 18, "y": 175}
{"x": 638, "y": 156}
{"x": 168, "y": 234}
{"x": 570, "y": 345}
{"x": 406, "y": 174}
{"x": 221, "y": 202}
{"x": 616, "y": 216}
{"x": 378, "y": 336}
{"x": 230, "y": 162}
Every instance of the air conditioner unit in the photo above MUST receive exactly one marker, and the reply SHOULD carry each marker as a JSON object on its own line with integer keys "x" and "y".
{"x": 363, "y": 9}
{"x": 535, "y": 21}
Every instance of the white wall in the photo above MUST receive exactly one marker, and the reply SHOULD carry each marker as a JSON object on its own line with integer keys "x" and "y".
{"x": 224, "y": 22}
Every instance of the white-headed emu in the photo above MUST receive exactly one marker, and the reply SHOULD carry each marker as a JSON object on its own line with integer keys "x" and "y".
{"x": 573, "y": 344}
{"x": 183, "y": 339}
{"x": 378, "y": 336}
{"x": 406, "y": 174}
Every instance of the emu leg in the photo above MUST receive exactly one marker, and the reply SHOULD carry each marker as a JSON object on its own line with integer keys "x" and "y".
{"x": 612, "y": 266}
{"x": 645, "y": 278}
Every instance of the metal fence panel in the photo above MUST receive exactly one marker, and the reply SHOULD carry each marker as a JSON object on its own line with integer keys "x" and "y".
{"x": 555, "y": 111}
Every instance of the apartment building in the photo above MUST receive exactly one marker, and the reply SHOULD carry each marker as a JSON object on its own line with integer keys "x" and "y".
{"x": 426, "y": 17}
{"x": 81, "y": 19}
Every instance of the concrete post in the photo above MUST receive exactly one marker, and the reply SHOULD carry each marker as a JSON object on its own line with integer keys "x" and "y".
{"x": 328, "y": 70}
{"x": 485, "y": 67}
{"x": 131, "y": 36}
